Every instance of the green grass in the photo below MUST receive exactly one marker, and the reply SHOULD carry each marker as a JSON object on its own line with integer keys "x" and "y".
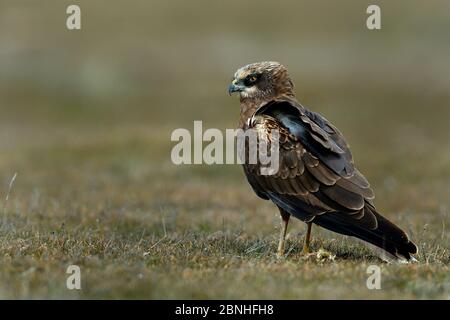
{"x": 86, "y": 120}
{"x": 140, "y": 227}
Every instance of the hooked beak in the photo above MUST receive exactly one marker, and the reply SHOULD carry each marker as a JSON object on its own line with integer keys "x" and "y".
{"x": 234, "y": 87}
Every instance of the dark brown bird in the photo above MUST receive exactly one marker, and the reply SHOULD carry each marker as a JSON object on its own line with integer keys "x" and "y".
{"x": 317, "y": 181}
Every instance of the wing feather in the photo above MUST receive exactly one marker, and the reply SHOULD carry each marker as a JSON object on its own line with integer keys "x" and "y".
{"x": 317, "y": 180}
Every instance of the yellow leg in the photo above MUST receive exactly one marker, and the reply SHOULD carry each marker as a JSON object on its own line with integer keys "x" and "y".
{"x": 307, "y": 239}
{"x": 284, "y": 225}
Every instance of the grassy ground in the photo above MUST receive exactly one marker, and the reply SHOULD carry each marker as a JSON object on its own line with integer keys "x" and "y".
{"x": 144, "y": 231}
{"x": 86, "y": 120}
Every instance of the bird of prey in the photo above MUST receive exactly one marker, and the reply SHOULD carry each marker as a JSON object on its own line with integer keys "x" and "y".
{"x": 317, "y": 181}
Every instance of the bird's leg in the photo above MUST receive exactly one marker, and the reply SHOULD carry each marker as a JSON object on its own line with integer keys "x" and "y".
{"x": 308, "y": 236}
{"x": 284, "y": 224}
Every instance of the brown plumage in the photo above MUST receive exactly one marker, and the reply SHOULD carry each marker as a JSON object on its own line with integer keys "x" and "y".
{"x": 317, "y": 181}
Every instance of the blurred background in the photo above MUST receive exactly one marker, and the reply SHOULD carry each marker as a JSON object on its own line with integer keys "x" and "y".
{"x": 86, "y": 118}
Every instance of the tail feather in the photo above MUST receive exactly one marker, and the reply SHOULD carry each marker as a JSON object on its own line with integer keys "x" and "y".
{"x": 370, "y": 226}
{"x": 393, "y": 242}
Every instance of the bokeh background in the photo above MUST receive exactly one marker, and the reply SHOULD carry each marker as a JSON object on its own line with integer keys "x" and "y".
{"x": 86, "y": 118}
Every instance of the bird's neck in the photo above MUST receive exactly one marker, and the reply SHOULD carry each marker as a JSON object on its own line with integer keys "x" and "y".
{"x": 249, "y": 107}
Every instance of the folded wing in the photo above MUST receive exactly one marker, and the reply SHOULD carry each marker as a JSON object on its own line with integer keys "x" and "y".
{"x": 317, "y": 180}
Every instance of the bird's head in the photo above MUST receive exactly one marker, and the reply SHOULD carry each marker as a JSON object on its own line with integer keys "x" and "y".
{"x": 261, "y": 81}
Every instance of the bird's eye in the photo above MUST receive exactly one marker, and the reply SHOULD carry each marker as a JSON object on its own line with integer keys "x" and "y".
{"x": 251, "y": 79}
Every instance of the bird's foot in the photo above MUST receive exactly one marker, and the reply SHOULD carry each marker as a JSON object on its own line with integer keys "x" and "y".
{"x": 280, "y": 254}
{"x": 307, "y": 253}
{"x": 306, "y": 250}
